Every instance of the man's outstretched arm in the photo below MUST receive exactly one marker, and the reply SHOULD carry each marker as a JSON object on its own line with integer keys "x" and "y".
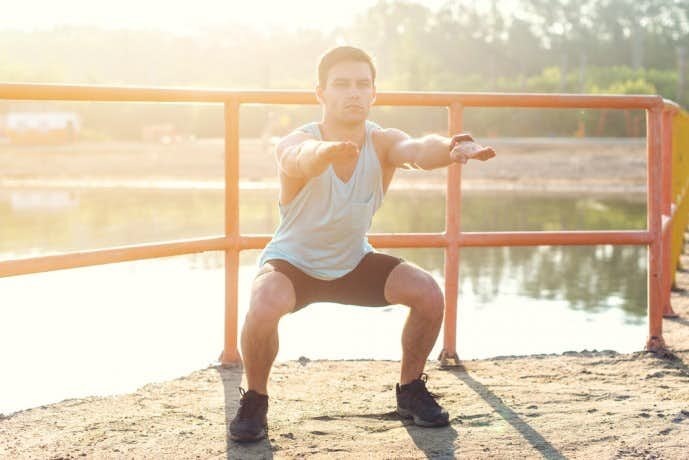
{"x": 433, "y": 151}
{"x": 301, "y": 156}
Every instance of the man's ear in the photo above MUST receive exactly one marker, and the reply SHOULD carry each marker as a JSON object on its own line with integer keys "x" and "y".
{"x": 319, "y": 93}
{"x": 374, "y": 95}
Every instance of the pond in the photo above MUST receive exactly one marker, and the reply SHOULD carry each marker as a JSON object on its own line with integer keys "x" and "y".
{"x": 113, "y": 328}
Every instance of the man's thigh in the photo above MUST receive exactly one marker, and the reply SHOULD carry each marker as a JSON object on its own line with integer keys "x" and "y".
{"x": 408, "y": 283}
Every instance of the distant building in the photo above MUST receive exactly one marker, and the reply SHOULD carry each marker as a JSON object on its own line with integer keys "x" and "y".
{"x": 42, "y": 127}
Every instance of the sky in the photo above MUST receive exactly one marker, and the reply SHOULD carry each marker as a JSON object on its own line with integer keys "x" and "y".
{"x": 183, "y": 17}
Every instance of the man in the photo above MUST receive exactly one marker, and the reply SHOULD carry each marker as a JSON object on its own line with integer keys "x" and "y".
{"x": 333, "y": 176}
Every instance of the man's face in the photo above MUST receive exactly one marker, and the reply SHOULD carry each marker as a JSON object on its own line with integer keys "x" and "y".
{"x": 349, "y": 92}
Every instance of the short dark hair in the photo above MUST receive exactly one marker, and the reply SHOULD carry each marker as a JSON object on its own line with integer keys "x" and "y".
{"x": 340, "y": 54}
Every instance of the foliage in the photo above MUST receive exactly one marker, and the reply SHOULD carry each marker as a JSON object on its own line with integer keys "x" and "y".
{"x": 599, "y": 46}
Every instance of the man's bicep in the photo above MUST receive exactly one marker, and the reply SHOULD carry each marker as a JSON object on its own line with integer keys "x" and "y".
{"x": 402, "y": 149}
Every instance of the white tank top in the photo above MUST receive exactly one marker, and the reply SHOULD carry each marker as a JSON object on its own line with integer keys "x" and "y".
{"x": 323, "y": 229}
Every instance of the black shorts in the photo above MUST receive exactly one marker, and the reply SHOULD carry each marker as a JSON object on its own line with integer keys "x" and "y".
{"x": 365, "y": 285}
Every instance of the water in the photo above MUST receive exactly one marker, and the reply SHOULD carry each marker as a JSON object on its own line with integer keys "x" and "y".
{"x": 113, "y": 328}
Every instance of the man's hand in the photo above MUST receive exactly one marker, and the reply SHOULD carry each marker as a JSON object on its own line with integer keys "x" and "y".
{"x": 464, "y": 149}
{"x": 340, "y": 151}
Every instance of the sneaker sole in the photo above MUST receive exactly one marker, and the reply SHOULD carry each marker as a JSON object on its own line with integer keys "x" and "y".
{"x": 405, "y": 414}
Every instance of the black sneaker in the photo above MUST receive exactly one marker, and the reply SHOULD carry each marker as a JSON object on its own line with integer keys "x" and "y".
{"x": 416, "y": 402}
{"x": 251, "y": 420}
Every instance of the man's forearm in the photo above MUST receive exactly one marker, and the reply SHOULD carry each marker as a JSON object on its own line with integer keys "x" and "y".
{"x": 307, "y": 159}
{"x": 433, "y": 152}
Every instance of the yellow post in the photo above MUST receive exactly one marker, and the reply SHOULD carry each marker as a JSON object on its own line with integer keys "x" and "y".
{"x": 667, "y": 271}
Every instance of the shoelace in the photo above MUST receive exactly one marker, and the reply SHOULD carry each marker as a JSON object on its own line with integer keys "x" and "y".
{"x": 424, "y": 395}
{"x": 247, "y": 405}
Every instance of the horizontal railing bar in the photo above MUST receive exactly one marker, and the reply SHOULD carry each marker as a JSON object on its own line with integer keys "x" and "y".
{"x": 439, "y": 240}
{"x": 97, "y": 93}
{"x": 476, "y": 239}
{"x": 531, "y": 100}
{"x": 254, "y": 241}
{"x": 161, "y": 94}
{"x": 110, "y": 255}
{"x": 381, "y": 240}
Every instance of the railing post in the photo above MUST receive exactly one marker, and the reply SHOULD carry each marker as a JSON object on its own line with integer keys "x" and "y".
{"x": 230, "y": 355}
{"x": 448, "y": 357}
{"x": 666, "y": 127}
{"x": 654, "y": 201}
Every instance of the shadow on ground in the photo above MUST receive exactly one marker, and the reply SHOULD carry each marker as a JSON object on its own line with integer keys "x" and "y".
{"x": 679, "y": 320}
{"x": 532, "y": 436}
{"x": 231, "y": 379}
{"x": 434, "y": 442}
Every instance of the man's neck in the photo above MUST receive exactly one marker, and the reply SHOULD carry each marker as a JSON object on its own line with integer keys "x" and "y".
{"x": 332, "y": 131}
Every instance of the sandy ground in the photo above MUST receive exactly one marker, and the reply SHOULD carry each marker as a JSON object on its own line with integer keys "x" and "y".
{"x": 585, "y": 404}
{"x": 551, "y": 163}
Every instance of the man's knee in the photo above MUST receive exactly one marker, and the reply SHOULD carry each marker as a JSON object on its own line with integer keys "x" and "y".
{"x": 430, "y": 298}
{"x": 417, "y": 289}
{"x": 272, "y": 297}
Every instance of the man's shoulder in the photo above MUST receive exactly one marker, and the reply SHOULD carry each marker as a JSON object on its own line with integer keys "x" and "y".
{"x": 384, "y": 140}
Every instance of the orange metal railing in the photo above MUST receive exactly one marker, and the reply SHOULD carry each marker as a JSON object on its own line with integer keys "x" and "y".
{"x": 656, "y": 236}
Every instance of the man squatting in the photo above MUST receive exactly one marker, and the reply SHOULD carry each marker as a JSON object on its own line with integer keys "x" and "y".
{"x": 333, "y": 177}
